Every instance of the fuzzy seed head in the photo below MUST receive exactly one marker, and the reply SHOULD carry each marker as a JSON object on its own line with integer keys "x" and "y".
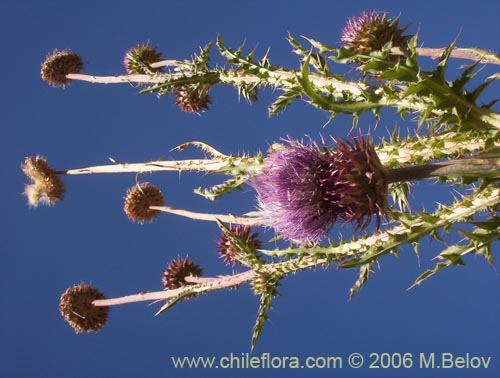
{"x": 77, "y": 309}
{"x": 229, "y": 251}
{"x": 137, "y": 59}
{"x": 193, "y": 98}
{"x": 304, "y": 189}
{"x": 47, "y": 187}
{"x": 370, "y": 31}
{"x": 58, "y": 64}
{"x": 138, "y": 200}
{"x": 176, "y": 272}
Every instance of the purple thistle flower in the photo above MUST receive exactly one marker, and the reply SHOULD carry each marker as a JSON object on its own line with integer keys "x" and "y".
{"x": 304, "y": 189}
{"x": 370, "y": 31}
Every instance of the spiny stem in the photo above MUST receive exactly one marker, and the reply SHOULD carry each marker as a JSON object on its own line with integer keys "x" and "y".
{"x": 457, "y": 52}
{"x": 227, "y": 218}
{"x": 215, "y": 284}
{"x": 199, "y": 280}
{"x": 205, "y": 165}
{"x": 460, "y": 167}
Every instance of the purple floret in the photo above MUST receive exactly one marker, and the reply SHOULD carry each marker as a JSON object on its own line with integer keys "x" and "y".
{"x": 304, "y": 189}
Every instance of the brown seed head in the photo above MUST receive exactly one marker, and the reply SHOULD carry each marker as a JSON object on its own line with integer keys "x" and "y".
{"x": 138, "y": 200}
{"x": 47, "y": 186}
{"x": 77, "y": 309}
{"x": 58, "y": 64}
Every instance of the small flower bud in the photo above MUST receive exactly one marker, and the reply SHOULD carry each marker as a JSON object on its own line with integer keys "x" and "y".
{"x": 176, "y": 272}
{"x": 137, "y": 59}
{"x": 138, "y": 200}
{"x": 193, "y": 98}
{"x": 77, "y": 309}
{"x": 47, "y": 186}
{"x": 370, "y": 31}
{"x": 229, "y": 251}
{"x": 58, "y": 64}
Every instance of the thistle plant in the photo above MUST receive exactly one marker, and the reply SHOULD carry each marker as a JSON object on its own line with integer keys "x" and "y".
{"x": 304, "y": 188}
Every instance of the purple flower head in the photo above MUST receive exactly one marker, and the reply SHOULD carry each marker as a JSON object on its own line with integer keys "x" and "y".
{"x": 229, "y": 251}
{"x": 304, "y": 189}
{"x": 370, "y": 31}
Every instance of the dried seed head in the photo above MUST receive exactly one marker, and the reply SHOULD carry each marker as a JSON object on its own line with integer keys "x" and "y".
{"x": 138, "y": 200}
{"x": 304, "y": 189}
{"x": 47, "y": 186}
{"x": 58, "y": 64}
{"x": 370, "y": 31}
{"x": 229, "y": 251}
{"x": 176, "y": 272}
{"x": 137, "y": 60}
{"x": 193, "y": 98}
{"x": 77, "y": 309}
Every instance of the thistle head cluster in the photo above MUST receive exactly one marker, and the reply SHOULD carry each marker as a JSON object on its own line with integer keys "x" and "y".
{"x": 47, "y": 186}
{"x": 176, "y": 272}
{"x": 137, "y": 60}
{"x": 138, "y": 200}
{"x": 77, "y": 309}
{"x": 304, "y": 189}
{"x": 370, "y": 31}
{"x": 193, "y": 98}
{"x": 229, "y": 251}
{"x": 58, "y": 64}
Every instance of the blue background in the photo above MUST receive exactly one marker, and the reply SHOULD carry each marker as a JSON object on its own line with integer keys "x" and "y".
{"x": 87, "y": 237}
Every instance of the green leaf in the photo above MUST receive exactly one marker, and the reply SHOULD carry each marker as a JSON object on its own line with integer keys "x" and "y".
{"x": 173, "y": 301}
{"x": 429, "y": 273}
{"x": 364, "y": 275}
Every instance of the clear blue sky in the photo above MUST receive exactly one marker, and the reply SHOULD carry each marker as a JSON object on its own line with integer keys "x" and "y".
{"x": 87, "y": 237}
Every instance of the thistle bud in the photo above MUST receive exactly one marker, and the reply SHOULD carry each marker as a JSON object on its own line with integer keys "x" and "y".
{"x": 58, "y": 64}
{"x": 370, "y": 31}
{"x": 176, "y": 272}
{"x": 193, "y": 98}
{"x": 137, "y": 60}
{"x": 229, "y": 252}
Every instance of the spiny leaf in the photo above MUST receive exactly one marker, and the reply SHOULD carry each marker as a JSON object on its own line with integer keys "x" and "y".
{"x": 429, "y": 273}
{"x": 284, "y": 100}
{"x": 173, "y": 301}
{"x": 219, "y": 190}
{"x": 202, "y": 146}
{"x": 364, "y": 275}
{"x": 268, "y": 292}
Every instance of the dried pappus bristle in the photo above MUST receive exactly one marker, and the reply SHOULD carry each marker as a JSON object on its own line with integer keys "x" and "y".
{"x": 138, "y": 200}
{"x": 176, "y": 272}
{"x": 58, "y": 64}
{"x": 47, "y": 186}
{"x": 77, "y": 309}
